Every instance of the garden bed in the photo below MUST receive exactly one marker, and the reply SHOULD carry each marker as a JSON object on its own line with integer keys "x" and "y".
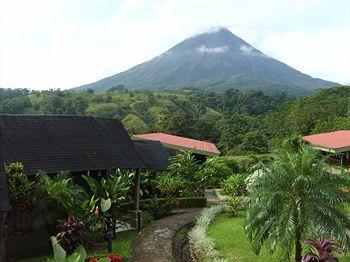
{"x": 121, "y": 245}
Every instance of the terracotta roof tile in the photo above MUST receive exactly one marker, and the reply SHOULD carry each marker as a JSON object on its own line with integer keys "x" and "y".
{"x": 181, "y": 142}
{"x": 336, "y": 139}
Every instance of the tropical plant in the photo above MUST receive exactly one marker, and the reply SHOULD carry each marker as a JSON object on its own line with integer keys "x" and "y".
{"x": 114, "y": 186}
{"x": 60, "y": 255}
{"x": 235, "y": 185}
{"x": 186, "y": 166}
{"x": 234, "y": 202}
{"x": 159, "y": 209}
{"x": 296, "y": 196}
{"x": 68, "y": 196}
{"x": 212, "y": 172}
{"x": 19, "y": 187}
{"x": 73, "y": 233}
{"x": 324, "y": 249}
{"x": 110, "y": 257}
{"x": 168, "y": 185}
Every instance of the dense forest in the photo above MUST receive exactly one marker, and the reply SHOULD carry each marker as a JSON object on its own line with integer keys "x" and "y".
{"x": 238, "y": 122}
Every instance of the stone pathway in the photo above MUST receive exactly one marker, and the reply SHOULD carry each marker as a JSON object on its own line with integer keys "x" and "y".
{"x": 212, "y": 199}
{"x": 154, "y": 244}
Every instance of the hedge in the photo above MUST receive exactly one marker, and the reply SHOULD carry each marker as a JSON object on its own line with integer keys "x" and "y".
{"x": 183, "y": 201}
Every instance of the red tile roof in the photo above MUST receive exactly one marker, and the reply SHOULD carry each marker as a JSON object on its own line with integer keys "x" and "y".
{"x": 336, "y": 139}
{"x": 181, "y": 142}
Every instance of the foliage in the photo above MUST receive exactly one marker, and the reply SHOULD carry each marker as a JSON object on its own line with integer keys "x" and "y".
{"x": 239, "y": 122}
{"x": 213, "y": 171}
{"x": 159, "y": 209}
{"x": 114, "y": 186}
{"x": 324, "y": 249}
{"x": 235, "y": 185}
{"x": 183, "y": 202}
{"x": 202, "y": 245}
{"x": 186, "y": 166}
{"x": 169, "y": 185}
{"x": 234, "y": 203}
{"x": 73, "y": 233}
{"x": 79, "y": 255}
{"x": 69, "y": 197}
{"x": 110, "y": 257}
{"x": 293, "y": 198}
{"x": 19, "y": 187}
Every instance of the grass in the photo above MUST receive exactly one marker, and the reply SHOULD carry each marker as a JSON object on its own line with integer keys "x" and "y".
{"x": 230, "y": 241}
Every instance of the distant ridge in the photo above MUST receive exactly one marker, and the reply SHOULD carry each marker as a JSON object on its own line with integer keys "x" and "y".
{"x": 217, "y": 60}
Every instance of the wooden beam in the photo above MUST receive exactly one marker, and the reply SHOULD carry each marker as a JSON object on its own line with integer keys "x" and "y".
{"x": 137, "y": 197}
{"x": 2, "y": 236}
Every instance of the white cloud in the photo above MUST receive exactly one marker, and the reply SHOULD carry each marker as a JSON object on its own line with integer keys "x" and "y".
{"x": 62, "y": 43}
{"x": 212, "y": 50}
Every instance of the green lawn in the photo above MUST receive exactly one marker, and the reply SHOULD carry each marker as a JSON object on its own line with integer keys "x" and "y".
{"x": 230, "y": 241}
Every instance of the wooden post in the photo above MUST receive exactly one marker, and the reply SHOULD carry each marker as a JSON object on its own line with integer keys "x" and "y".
{"x": 2, "y": 236}
{"x": 137, "y": 198}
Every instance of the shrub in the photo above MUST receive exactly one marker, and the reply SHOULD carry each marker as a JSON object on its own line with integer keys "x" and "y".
{"x": 79, "y": 254}
{"x": 184, "y": 202}
{"x": 20, "y": 188}
{"x": 212, "y": 172}
{"x": 234, "y": 203}
{"x": 202, "y": 245}
{"x": 168, "y": 185}
{"x": 74, "y": 233}
{"x": 324, "y": 248}
{"x": 159, "y": 209}
{"x": 192, "y": 201}
{"x": 235, "y": 185}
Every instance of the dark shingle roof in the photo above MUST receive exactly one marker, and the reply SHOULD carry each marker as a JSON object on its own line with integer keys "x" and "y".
{"x": 154, "y": 155}
{"x": 74, "y": 143}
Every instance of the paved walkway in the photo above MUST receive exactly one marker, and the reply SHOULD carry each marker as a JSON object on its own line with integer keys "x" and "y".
{"x": 212, "y": 199}
{"x": 155, "y": 242}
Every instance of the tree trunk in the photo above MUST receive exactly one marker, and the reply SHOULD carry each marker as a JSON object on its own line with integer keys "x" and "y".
{"x": 298, "y": 248}
{"x": 2, "y": 237}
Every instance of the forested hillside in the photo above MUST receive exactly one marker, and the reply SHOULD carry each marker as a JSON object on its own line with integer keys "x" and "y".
{"x": 239, "y": 122}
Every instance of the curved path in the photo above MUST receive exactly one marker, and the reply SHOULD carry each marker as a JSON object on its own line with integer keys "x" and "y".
{"x": 155, "y": 242}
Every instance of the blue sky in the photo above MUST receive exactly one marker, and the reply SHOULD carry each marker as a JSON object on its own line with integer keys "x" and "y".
{"x": 67, "y": 43}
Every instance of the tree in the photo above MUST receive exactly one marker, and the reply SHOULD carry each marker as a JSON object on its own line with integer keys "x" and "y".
{"x": 295, "y": 199}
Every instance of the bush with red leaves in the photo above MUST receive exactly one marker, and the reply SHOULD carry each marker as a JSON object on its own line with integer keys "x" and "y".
{"x": 73, "y": 233}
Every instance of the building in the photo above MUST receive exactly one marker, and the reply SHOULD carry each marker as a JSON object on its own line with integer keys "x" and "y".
{"x": 78, "y": 144}
{"x": 334, "y": 144}
{"x": 153, "y": 154}
{"x": 175, "y": 144}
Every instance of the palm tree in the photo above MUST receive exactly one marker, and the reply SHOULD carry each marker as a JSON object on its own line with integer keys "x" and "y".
{"x": 295, "y": 199}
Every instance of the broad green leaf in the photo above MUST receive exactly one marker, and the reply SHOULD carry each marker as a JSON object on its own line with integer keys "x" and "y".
{"x": 79, "y": 255}
{"x": 105, "y": 259}
{"x": 58, "y": 251}
{"x": 105, "y": 204}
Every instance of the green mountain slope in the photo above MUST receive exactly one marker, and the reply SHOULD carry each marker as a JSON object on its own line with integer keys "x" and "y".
{"x": 216, "y": 60}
